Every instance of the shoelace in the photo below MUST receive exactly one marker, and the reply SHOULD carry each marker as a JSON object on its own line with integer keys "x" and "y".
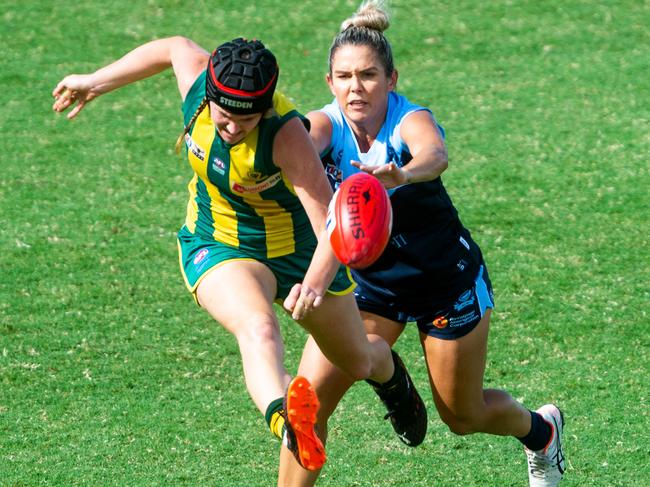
{"x": 389, "y": 414}
{"x": 399, "y": 404}
{"x": 538, "y": 464}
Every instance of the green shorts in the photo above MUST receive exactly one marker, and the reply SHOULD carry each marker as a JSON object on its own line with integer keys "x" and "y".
{"x": 198, "y": 255}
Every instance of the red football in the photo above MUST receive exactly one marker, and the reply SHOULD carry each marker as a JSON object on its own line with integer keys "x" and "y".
{"x": 359, "y": 220}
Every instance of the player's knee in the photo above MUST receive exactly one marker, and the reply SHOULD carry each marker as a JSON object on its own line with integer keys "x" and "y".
{"x": 259, "y": 330}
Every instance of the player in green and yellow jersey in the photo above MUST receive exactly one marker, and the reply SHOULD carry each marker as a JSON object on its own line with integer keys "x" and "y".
{"x": 255, "y": 227}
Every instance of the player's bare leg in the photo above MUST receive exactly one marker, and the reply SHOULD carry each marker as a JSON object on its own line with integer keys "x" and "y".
{"x": 456, "y": 369}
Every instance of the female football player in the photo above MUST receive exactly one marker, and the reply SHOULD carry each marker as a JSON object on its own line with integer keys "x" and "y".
{"x": 255, "y": 227}
{"x": 432, "y": 272}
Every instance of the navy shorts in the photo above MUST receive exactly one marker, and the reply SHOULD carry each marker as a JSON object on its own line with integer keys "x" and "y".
{"x": 448, "y": 321}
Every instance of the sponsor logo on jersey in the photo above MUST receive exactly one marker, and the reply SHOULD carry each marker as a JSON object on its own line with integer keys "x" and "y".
{"x": 194, "y": 148}
{"x": 200, "y": 256}
{"x": 259, "y": 187}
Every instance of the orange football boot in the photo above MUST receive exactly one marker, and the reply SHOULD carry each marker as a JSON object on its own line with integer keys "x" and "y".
{"x": 301, "y": 407}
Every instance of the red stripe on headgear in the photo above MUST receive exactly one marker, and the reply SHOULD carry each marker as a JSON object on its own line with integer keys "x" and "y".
{"x": 233, "y": 91}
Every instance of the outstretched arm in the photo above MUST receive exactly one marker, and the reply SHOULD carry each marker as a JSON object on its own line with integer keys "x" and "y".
{"x": 187, "y": 59}
{"x": 294, "y": 153}
{"x": 427, "y": 147}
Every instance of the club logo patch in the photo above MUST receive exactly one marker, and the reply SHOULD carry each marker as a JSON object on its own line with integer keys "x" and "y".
{"x": 334, "y": 174}
{"x": 466, "y": 299}
{"x": 254, "y": 175}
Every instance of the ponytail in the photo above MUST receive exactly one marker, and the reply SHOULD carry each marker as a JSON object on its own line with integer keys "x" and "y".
{"x": 186, "y": 129}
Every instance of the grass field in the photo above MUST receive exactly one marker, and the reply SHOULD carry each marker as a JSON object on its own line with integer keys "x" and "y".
{"x": 110, "y": 375}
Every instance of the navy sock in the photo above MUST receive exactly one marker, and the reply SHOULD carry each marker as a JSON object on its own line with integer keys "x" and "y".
{"x": 397, "y": 378}
{"x": 539, "y": 435}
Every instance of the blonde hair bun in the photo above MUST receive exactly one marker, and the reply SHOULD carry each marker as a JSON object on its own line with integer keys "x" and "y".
{"x": 372, "y": 14}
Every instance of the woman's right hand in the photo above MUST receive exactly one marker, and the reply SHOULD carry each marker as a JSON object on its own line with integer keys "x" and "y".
{"x": 301, "y": 300}
{"x": 75, "y": 88}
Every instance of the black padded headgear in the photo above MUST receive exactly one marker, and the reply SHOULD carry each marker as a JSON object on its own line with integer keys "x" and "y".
{"x": 242, "y": 76}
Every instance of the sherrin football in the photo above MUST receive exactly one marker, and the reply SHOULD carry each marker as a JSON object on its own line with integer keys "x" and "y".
{"x": 359, "y": 220}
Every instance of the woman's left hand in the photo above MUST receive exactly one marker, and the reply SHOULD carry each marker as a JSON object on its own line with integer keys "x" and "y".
{"x": 74, "y": 88}
{"x": 390, "y": 175}
{"x": 301, "y": 300}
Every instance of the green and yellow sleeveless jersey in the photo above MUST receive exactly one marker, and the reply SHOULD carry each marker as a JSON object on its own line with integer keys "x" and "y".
{"x": 238, "y": 196}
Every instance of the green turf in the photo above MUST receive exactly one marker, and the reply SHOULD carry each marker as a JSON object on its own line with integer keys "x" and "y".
{"x": 109, "y": 375}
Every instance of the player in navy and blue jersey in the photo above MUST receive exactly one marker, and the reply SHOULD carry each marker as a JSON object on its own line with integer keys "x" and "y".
{"x": 254, "y": 231}
{"x": 432, "y": 271}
